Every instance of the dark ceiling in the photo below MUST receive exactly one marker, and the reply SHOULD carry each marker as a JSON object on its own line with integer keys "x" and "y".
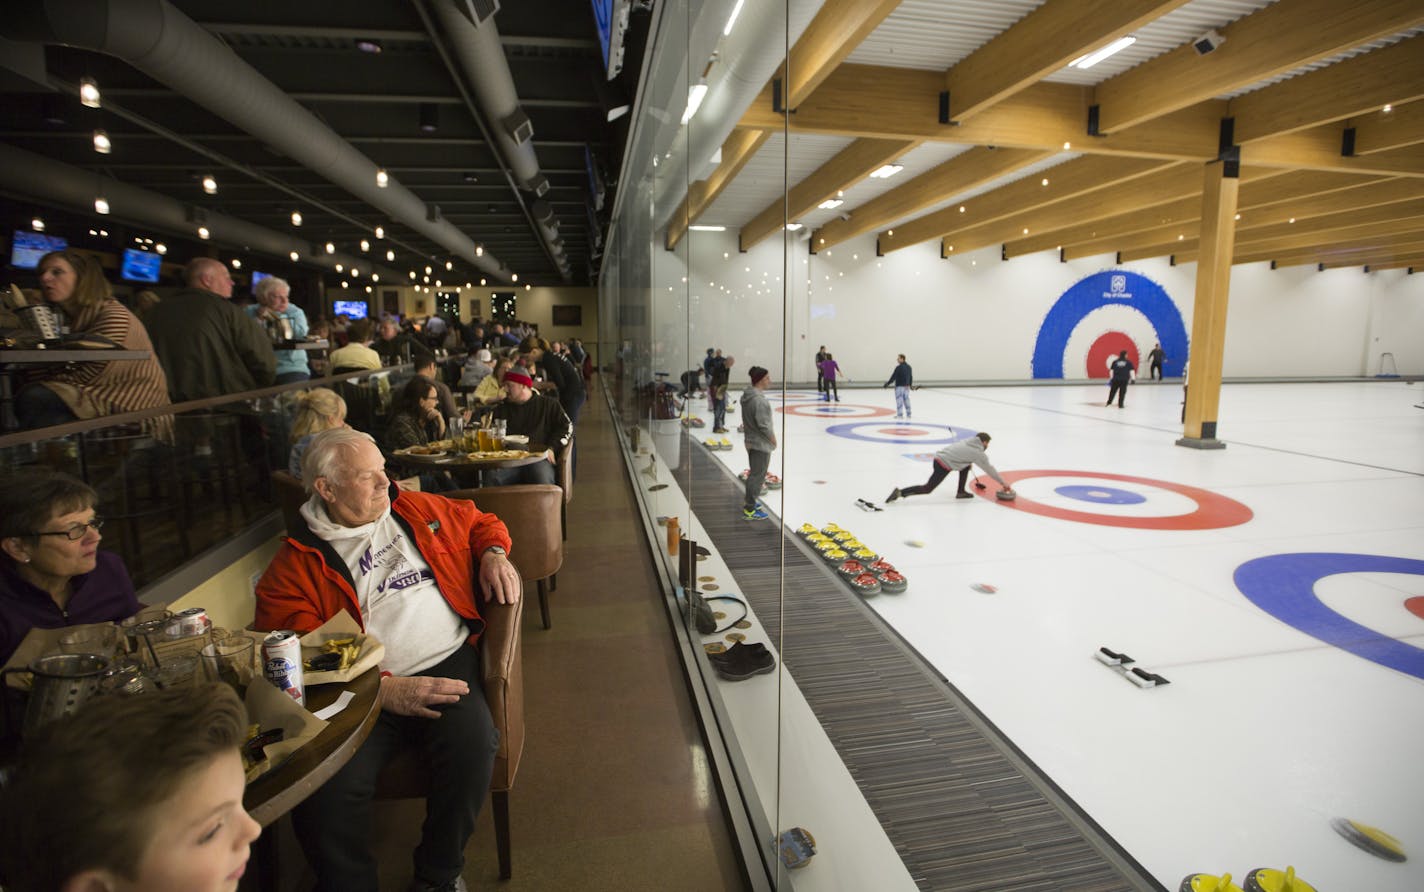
{"x": 378, "y": 102}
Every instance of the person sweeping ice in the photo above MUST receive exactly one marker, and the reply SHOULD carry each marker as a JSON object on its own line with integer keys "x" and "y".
{"x": 957, "y": 457}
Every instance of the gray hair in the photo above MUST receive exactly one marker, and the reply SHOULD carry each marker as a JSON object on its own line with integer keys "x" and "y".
{"x": 329, "y": 452}
{"x": 268, "y": 287}
{"x": 198, "y": 268}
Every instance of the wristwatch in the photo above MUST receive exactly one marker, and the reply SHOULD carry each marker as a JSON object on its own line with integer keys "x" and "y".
{"x": 497, "y": 549}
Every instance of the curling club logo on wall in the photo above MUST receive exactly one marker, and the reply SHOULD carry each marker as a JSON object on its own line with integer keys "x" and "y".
{"x": 1116, "y": 288}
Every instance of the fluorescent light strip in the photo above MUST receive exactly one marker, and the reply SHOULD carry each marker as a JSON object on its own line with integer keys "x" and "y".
{"x": 887, "y": 171}
{"x": 1111, "y": 49}
{"x": 732, "y": 19}
{"x": 695, "y": 94}
{"x": 700, "y": 228}
{"x": 830, "y": 204}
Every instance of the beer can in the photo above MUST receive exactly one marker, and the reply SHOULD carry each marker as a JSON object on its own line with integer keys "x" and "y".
{"x": 282, "y": 663}
{"x": 186, "y": 623}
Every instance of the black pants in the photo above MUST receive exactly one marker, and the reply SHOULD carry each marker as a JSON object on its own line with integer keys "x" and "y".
{"x": 757, "y": 464}
{"x": 1156, "y": 371}
{"x": 936, "y": 478}
{"x": 334, "y": 824}
{"x": 1117, "y": 389}
{"x": 828, "y": 387}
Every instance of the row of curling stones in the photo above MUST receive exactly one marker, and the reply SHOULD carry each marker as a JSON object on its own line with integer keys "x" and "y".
{"x": 1262, "y": 879}
{"x": 862, "y": 569}
{"x": 718, "y": 445}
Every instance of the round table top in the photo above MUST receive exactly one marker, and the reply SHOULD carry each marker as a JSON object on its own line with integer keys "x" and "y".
{"x": 284, "y": 787}
{"x": 479, "y": 460}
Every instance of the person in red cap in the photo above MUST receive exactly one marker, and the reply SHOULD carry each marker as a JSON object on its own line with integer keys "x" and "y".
{"x": 537, "y": 417}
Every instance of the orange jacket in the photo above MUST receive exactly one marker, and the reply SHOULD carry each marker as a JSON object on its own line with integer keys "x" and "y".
{"x": 307, "y": 583}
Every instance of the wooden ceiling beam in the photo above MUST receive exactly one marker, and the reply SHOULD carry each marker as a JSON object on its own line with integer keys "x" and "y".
{"x": 901, "y": 103}
{"x": 1414, "y": 263}
{"x": 851, "y": 165}
{"x": 1382, "y": 131}
{"x": 1379, "y": 251}
{"x": 1067, "y": 180}
{"x": 960, "y": 174}
{"x": 1394, "y": 74}
{"x": 1040, "y": 43}
{"x": 1285, "y": 35}
{"x": 838, "y": 28}
{"x": 737, "y": 150}
{"x": 1327, "y": 250}
{"x": 1413, "y": 222}
{"x": 1319, "y": 149}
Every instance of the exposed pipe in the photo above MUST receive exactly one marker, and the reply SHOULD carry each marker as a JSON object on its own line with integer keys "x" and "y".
{"x": 162, "y": 42}
{"x": 42, "y": 179}
{"x": 480, "y": 55}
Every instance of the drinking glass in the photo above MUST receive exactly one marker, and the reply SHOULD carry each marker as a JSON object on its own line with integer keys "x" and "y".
{"x": 96, "y": 639}
{"x": 178, "y": 672}
{"x": 455, "y": 427}
{"x": 232, "y": 661}
{"x": 147, "y": 614}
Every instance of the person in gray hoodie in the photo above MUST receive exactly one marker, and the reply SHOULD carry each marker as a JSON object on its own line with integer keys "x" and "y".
{"x": 760, "y": 439}
{"x": 955, "y": 457}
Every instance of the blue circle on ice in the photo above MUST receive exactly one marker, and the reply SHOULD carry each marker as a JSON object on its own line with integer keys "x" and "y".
{"x": 1101, "y": 495}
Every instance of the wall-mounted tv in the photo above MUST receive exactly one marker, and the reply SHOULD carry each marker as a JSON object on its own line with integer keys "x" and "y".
{"x": 140, "y": 266}
{"x": 352, "y": 309}
{"x": 257, "y": 277}
{"x": 26, "y": 248}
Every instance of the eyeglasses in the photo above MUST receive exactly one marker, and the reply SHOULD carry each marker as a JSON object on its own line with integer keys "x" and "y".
{"x": 76, "y": 532}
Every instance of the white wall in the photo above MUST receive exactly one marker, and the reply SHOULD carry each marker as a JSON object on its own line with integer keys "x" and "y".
{"x": 976, "y": 317}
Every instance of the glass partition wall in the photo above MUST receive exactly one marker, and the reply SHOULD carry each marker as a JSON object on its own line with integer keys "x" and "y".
{"x": 674, "y": 286}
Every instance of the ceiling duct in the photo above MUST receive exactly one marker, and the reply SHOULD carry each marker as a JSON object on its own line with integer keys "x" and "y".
{"x": 539, "y": 186}
{"x": 479, "y": 11}
{"x": 480, "y": 54}
{"x": 159, "y": 40}
{"x": 41, "y": 179}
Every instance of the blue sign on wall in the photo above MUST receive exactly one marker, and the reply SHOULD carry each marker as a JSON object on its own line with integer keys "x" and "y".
{"x": 1110, "y": 288}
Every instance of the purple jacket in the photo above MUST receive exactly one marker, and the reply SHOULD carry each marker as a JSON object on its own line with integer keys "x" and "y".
{"x": 102, "y": 595}
{"x": 829, "y": 367}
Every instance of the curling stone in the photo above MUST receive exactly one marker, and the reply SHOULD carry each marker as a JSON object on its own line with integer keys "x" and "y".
{"x": 1005, "y": 495}
{"x": 830, "y": 529}
{"x": 772, "y": 481}
{"x": 866, "y": 584}
{"x": 881, "y": 566}
{"x": 1371, "y": 839}
{"x": 825, "y": 544}
{"x": 835, "y": 556}
{"x": 1205, "y": 882}
{"x": 1264, "y": 879}
{"x": 851, "y": 568}
{"x": 864, "y": 555}
{"x": 698, "y": 422}
{"x": 893, "y": 582}
{"x": 805, "y": 530}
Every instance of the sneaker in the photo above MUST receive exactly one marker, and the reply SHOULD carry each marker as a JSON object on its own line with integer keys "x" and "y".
{"x": 894, "y": 494}
{"x": 899, "y": 416}
{"x": 964, "y": 495}
{"x": 719, "y": 430}
{"x": 740, "y": 651}
{"x": 742, "y": 662}
{"x": 756, "y": 513}
{"x": 455, "y": 885}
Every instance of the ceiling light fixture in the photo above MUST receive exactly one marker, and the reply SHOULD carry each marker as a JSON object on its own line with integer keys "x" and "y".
{"x": 296, "y": 218}
{"x": 701, "y": 228}
{"x": 89, "y": 92}
{"x": 203, "y": 233}
{"x": 482, "y": 282}
{"x": 479, "y": 250}
{"x": 294, "y": 255}
{"x": 161, "y": 248}
{"x": 375, "y": 277}
{"x": 365, "y": 244}
{"x": 330, "y": 248}
{"x": 37, "y": 224}
{"x": 237, "y": 263}
{"x": 830, "y": 204}
{"x": 1091, "y": 59}
{"x": 368, "y": 45}
{"x": 390, "y": 255}
{"x": 695, "y": 94}
{"x": 380, "y": 232}
{"x": 429, "y": 117}
{"x": 514, "y": 277}
{"x": 412, "y": 275}
{"x": 528, "y": 287}
{"x": 210, "y": 184}
{"x": 1387, "y": 108}
{"x": 101, "y": 204}
{"x": 886, "y": 171}
{"x": 340, "y": 268}
{"x": 383, "y": 179}
{"x": 449, "y": 264}
{"x": 732, "y": 19}
{"x": 102, "y": 145}
{"x": 794, "y": 226}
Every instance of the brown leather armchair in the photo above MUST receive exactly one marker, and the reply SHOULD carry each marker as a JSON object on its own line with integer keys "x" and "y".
{"x": 502, "y": 677}
{"x": 531, "y": 513}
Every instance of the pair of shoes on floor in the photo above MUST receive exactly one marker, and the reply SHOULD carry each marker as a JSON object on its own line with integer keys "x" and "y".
{"x": 964, "y": 495}
{"x": 757, "y": 513}
{"x": 742, "y": 661}
{"x": 894, "y": 494}
{"x": 455, "y": 885}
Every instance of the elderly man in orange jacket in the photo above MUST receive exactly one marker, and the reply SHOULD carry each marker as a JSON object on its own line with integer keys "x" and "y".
{"x": 412, "y": 569}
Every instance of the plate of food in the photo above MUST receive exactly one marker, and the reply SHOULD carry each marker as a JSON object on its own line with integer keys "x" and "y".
{"x": 430, "y": 450}
{"x": 498, "y": 455}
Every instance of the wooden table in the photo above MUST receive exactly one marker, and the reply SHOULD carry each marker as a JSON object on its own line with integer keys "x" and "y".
{"x": 461, "y": 461}
{"x": 284, "y": 787}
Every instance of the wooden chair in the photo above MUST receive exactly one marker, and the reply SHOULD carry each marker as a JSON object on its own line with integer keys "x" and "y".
{"x": 502, "y": 677}
{"x": 531, "y": 512}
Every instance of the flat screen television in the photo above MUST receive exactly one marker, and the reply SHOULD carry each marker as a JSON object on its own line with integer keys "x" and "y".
{"x": 257, "y": 277}
{"x": 140, "y": 266}
{"x": 26, "y": 248}
{"x": 352, "y": 309}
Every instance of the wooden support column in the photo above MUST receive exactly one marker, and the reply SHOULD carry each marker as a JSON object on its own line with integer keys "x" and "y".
{"x": 1218, "y": 233}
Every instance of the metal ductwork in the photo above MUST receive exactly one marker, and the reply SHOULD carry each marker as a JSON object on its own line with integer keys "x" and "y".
{"x": 44, "y": 180}
{"x": 162, "y": 42}
{"x": 469, "y": 27}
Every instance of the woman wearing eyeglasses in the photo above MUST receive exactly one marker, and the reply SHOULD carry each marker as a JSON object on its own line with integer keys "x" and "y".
{"x": 52, "y": 573}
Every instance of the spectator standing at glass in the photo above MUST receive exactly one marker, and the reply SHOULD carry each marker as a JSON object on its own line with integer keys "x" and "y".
{"x": 274, "y": 307}
{"x": 903, "y": 378}
{"x": 759, "y": 437}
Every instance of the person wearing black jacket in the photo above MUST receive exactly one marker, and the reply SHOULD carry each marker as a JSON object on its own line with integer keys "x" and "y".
{"x": 1122, "y": 372}
{"x": 559, "y": 371}
{"x": 397, "y": 346}
{"x": 903, "y": 379}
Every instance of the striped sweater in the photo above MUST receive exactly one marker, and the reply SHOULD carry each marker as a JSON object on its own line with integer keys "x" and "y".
{"x": 92, "y": 389}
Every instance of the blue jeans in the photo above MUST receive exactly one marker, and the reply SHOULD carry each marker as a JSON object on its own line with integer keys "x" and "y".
{"x": 902, "y": 401}
{"x": 719, "y": 408}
